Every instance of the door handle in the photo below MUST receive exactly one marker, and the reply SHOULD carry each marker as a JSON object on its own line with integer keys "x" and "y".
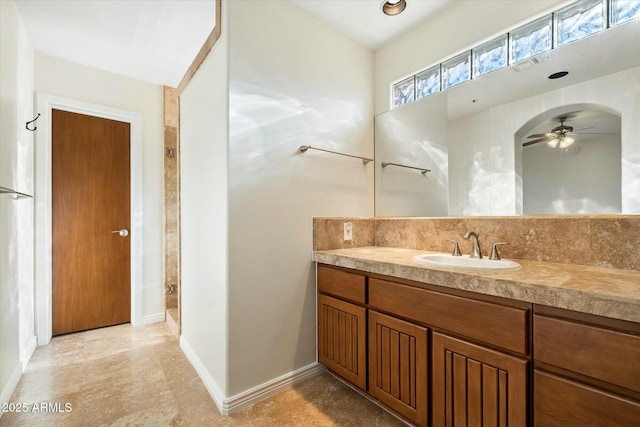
{"x": 124, "y": 232}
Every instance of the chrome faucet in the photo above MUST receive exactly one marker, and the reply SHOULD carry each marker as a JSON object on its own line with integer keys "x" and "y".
{"x": 475, "y": 252}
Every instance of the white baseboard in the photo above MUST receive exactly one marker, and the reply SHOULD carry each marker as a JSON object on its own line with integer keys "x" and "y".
{"x": 153, "y": 318}
{"x": 268, "y": 389}
{"x": 31, "y": 347}
{"x": 227, "y": 406}
{"x": 209, "y": 383}
{"x": 10, "y": 386}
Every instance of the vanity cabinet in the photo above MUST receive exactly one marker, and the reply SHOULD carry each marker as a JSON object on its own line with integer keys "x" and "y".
{"x": 398, "y": 366}
{"x": 440, "y": 356}
{"x": 342, "y": 324}
{"x": 472, "y": 353}
{"x": 586, "y": 370}
{"x": 474, "y": 379}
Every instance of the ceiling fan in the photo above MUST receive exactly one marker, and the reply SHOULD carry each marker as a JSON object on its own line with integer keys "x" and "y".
{"x": 560, "y": 136}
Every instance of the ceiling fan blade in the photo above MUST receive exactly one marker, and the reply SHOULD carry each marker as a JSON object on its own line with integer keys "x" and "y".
{"x": 594, "y": 133}
{"x": 535, "y": 141}
{"x": 542, "y": 135}
{"x": 590, "y": 127}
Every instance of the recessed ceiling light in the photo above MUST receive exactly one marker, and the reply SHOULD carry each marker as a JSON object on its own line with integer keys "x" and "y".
{"x": 558, "y": 75}
{"x": 393, "y": 7}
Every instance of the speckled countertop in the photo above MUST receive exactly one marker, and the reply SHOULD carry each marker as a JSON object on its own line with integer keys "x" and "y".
{"x": 594, "y": 290}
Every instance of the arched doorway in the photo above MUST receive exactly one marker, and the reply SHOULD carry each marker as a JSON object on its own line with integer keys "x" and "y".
{"x": 571, "y": 161}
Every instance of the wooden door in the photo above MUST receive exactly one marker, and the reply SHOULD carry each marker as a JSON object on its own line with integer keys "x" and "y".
{"x": 342, "y": 339}
{"x": 475, "y": 386}
{"x": 91, "y": 271}
{"x": 398, "y": 373}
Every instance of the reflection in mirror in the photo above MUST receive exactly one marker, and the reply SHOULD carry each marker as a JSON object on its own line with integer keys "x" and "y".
{"x": 467, "y": 132}
{"x": 571, "y": 162}
{"x": 402, "y": 138}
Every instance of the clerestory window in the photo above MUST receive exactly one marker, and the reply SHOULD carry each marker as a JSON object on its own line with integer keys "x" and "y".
{"x": 574, "y": 22}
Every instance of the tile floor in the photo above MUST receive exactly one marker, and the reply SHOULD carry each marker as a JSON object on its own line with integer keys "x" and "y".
{"x": 125, "y": 376}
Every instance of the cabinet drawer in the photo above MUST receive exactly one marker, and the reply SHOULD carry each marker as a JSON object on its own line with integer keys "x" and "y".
{"x": 561, "y": 402}
{"x": 342, "y": 284}
{"x": 502, "y": 326}
{"x": 599, "y": 353}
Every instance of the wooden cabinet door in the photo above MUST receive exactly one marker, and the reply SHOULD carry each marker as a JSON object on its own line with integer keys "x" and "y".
{"x": 475, "y": 386}
{"x": 398, "y": 373}
{"x": 562, "y": 402}
{"x": 342, "y": 339}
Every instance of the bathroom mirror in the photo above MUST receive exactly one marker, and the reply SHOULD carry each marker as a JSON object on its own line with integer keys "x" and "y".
{"x": 571, "y": 162}
{"x": 471, "y": 136}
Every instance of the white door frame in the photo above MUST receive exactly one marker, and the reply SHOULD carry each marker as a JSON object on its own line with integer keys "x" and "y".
{"x": 43, "y": 209}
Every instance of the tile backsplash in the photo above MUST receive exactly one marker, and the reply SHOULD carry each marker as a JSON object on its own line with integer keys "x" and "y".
{"x": 328, "y": 233}
{"x": 593, "y": 240}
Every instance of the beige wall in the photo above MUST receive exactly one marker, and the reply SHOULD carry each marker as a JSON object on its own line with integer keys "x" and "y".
{"x": 204, "y": 219}
{"x": 248, "y": 196}
{"x": 81, "y": 83}
{"x": 17, "y": 338}
{"x": 293, "y": 81}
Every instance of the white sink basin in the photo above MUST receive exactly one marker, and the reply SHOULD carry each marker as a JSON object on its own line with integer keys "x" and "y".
{"x": 446, "y": 260}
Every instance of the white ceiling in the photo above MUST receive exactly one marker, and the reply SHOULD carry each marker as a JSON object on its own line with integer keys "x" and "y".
{"x": 157, "y": 40}
{"x": 363, "y": 20}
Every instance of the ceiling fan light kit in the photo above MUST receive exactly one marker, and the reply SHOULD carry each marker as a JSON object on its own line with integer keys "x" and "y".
{"x": 562, "y": 141}
{"x": 566, "y": 141}
{"x": 560, "y": 136}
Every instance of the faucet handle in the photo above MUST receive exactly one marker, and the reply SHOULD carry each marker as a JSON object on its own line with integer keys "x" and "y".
{"x": 456, "y": 248}
{"x": 494, "y": 251}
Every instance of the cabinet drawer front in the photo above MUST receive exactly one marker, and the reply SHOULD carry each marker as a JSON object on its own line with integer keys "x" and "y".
{"x": 599, "y": 353}
{"x": 342, "y": 284}
{"x": 502, "y": 326}
{"x": 561, "y": 402}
